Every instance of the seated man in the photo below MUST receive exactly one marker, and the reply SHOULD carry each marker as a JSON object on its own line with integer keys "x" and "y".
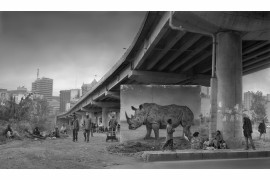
{"x": 8, "y": 132}
{"x": 36, "y": 131}
{"x": 218, "y": 140}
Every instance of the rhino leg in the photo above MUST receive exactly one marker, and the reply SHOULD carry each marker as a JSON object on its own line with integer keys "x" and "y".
{"x": 187, "y": 132}
{"x": 148, "y": 132}
{"x": 156, "y": 130}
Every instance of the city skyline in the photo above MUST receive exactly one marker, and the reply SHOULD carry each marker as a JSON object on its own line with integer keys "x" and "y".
{"x": 73, "y": 48}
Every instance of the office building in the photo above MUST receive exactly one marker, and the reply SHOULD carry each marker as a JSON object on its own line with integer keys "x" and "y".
{"x": 88, "y": 87}
{"x": 64, "y": 99}
{"x": 248, "y": 98}
{"x": 43, "y": 86}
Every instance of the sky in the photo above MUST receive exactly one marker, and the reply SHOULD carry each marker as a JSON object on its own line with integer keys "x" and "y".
{"x": 73, "y": 48}
{"x": 69, "y": 47}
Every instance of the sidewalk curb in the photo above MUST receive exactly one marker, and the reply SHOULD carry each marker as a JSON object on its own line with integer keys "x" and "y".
{"x": 151, "y": 156}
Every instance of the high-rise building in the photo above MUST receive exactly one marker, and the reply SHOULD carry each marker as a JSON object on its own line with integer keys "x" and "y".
{"x": 4, "y": 96}
{"x": 43, "y": 86}
{"x": 64, "y": 99}
{"x": 68, "y": 98}
{"x": 248, "y": 98}
{"x": 88, "y": 87}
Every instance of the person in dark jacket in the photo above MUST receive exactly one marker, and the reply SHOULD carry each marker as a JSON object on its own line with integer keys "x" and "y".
{"x": 218, "y": 140}
{"x": 36, "y": 131}
{"x": 247, "y": 130}
{"x": 262, "y": 128}
{"x": 75, "y": 127}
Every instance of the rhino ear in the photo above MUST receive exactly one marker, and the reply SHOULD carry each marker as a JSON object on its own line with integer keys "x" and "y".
{"x": 133, "y": 108}
{"x": 140, "y": 107}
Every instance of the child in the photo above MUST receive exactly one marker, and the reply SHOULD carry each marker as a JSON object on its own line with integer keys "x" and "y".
{"x": 206, "y": 144}
{"x": 169, "y": 138}
{"x": 196, "y": 141}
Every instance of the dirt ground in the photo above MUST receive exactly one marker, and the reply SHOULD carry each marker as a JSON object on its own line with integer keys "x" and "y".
{"x": 61, "y": 153}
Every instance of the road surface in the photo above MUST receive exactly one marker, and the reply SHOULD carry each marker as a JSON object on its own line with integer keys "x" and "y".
{"x": 252, "y": 163}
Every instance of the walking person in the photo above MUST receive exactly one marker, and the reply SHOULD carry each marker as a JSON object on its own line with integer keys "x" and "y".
{"x": 76, "y": 127}
{"x": 262, "y": 129}
{"x": 87, "y": 128}
{"x": 169, "y": 139}
{"x": 247, "y": 129}
{"x": 112, "y": 124}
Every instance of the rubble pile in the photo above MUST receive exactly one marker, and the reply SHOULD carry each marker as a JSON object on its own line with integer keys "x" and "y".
{"x": 136, "y": 146}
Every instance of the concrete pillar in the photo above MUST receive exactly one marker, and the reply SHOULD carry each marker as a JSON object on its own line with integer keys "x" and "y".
{"x": 105, "y": 117}
{"x": 213, "y": 100}
{"x": 118, "y": 116}
{"x": 229, "y": 87}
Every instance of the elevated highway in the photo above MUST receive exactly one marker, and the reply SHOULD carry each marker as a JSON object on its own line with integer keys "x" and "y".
{"x": 200, "y": 48}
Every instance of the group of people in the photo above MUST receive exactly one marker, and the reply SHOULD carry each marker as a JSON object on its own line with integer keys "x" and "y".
{"x": 10, "y": 133}
{"x": 89, "y": 126}
{"x": 217, "y": 142}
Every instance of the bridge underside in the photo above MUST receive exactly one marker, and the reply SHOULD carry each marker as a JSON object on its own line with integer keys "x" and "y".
{"x": 186, "y": 56}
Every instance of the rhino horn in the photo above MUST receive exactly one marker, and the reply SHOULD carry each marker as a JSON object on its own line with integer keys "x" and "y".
{"x": 128, "y": 119}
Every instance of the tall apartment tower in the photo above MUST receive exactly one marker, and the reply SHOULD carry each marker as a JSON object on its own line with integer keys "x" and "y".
{"x": 64, "y": 99}
{"x": 43, "y": 86}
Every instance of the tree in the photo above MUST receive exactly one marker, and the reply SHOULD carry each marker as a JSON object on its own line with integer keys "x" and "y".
{"x": 258, "y": 107}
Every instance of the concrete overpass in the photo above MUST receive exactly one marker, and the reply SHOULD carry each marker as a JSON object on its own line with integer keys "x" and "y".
{"x": 205, "y": 48}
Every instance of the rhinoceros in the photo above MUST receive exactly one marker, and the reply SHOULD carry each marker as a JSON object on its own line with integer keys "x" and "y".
{"x": 155, "y": 117}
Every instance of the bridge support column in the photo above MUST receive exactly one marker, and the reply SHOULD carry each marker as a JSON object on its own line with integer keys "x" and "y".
{"x": 105, "y": 117}
{"x": 213, "y": 100}
{"x": 118, "y": 116}
{"x": 229, "y": 87}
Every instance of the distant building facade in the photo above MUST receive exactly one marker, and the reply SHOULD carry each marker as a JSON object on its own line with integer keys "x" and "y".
{"x": 248, "y": 98}
{"x": 4, "y": 96}
{"x": 88, "y": 87}
{"x": 68, "y": 98}
{"x": 22, "y": 88}
{"x": 43, "y": 86}
{"x": 54, "y": 105}
{"x": 18, "y": 94}
{"x": 64, "y": 99}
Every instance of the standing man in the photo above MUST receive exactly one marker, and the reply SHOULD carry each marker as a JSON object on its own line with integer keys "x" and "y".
{"x": 169, "y": 138}
{"x": 76, "y": 127}
{"x": 247, "y": 130}
{"x": 87, "y": 128}
{"x": 112, "y": 124}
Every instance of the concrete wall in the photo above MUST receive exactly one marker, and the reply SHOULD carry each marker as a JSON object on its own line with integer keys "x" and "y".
{"x": 134, "y": 95}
